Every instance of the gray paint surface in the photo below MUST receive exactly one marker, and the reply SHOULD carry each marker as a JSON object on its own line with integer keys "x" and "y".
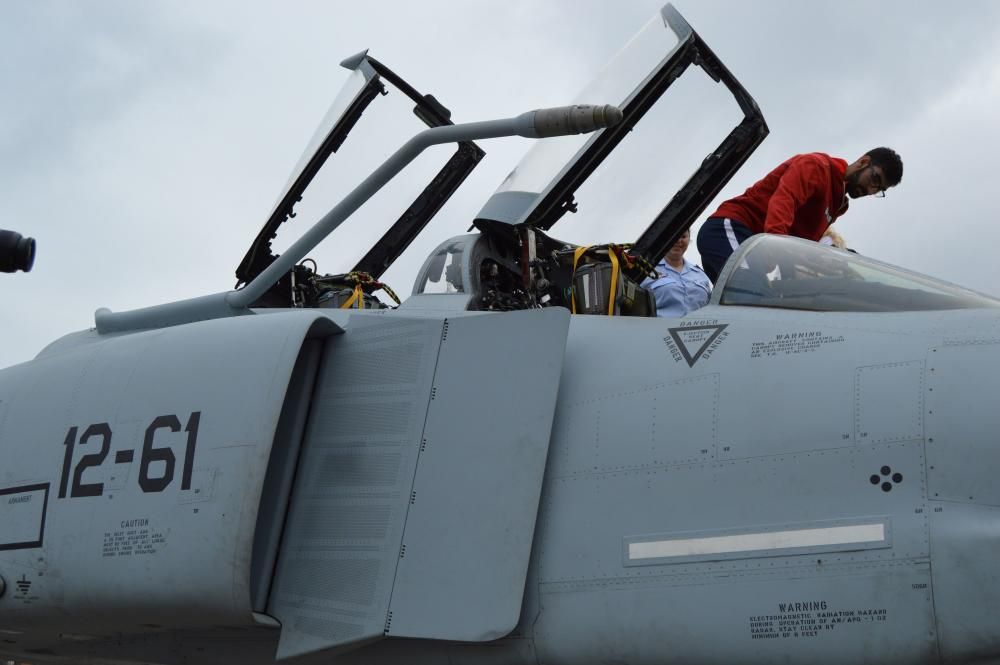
{"x": 348, "y": 508}
{"x": 959, "y": 431}
{"x": 410, "y": 483}
{"x": 964, "y": 539}
{"x": 641, "y": 455}
{"x": 111, "y": 543}
{"x": 475, "y": 496}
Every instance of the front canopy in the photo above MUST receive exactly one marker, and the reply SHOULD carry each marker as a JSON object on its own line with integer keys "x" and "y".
{"x": 790, "y": 273}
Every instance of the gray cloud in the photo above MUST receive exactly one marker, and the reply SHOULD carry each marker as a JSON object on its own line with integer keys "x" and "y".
{"x": 73, "y": 67}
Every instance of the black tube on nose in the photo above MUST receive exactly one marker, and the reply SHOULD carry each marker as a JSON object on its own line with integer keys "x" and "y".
{"x": 16, "y": 252}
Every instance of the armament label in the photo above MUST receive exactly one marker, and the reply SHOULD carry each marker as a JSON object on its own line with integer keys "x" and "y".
{"x": 22, "y": 514}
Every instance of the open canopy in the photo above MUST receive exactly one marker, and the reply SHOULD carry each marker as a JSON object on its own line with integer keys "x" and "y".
{"x": 369, "y": 80}
{"x": 661, "y": 137}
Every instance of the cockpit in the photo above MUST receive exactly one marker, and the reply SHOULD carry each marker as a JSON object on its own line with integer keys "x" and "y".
{"x": 509, "y": 260}
{"x": 790, "y": 273}
{"x": 607, "y": 178}
{"x": 766, "y": 271}
{"x": 629, "y": 183}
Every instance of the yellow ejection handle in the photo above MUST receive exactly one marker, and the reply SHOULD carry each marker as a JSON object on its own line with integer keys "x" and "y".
{"x": 572, "y": 289}
{"x": 614, "y": 280}
{"x": 356, "y": 297}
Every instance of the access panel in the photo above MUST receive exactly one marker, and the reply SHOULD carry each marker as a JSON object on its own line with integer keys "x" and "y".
{"x": 475, "y": 497}
{"x": 418, "y": 485}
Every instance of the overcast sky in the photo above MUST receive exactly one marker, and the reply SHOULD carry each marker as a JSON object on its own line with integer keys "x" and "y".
{"x": 144, "y": 144}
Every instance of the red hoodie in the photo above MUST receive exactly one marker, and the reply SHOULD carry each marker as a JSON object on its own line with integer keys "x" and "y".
{"x": 801, "y": 197}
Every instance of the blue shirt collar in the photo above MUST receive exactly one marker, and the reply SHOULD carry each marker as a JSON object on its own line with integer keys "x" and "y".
{"x": 665, "y": 266}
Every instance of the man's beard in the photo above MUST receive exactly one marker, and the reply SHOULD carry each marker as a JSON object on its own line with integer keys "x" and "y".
{"x": 852, "y": 185}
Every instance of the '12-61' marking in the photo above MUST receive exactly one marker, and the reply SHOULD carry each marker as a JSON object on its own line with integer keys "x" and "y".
{"x": 101, "y": 433}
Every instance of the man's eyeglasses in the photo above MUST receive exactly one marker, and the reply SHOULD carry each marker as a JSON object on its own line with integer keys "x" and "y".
{"x": 876, "y": 181}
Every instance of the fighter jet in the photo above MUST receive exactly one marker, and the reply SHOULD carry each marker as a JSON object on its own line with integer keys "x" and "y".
{"x": 520, "y": 463}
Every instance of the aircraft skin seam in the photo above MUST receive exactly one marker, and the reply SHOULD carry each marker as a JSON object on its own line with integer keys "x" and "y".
{"x": 639, "y": 391}
{"x": 719, "y": 463}
{"x": 722, "y": 576}
{"x": 416, "y": 467}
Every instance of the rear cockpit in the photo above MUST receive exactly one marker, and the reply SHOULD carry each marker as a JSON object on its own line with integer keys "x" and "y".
{"x": 374, "y": 110}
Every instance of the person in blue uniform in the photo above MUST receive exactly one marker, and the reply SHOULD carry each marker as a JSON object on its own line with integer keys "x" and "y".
{"x": 680, "y": 287}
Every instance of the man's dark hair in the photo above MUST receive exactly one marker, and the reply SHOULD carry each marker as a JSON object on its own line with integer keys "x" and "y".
{"x": 892, "y": 165}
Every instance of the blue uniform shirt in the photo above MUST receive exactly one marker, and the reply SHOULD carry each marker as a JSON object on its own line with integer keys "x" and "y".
{"x": 678, "y": 293}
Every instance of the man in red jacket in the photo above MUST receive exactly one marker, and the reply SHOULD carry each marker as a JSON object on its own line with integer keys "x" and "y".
{"x": 802, "y": 197}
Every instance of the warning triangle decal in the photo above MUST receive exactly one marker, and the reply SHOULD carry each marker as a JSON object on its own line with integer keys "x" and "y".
{"x": 692, "y": 341}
